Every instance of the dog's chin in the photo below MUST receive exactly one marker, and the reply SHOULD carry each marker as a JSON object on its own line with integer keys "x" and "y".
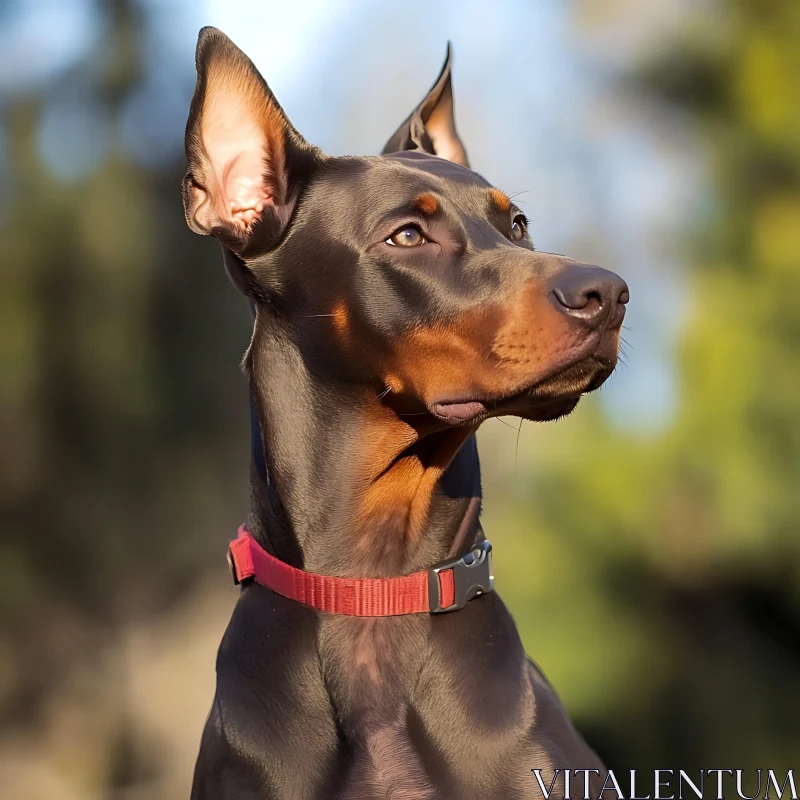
{"x": 548, "y": 410}
{"x": 547, "y": 400}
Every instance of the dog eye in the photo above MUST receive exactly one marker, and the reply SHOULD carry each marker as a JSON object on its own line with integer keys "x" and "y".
{"x": 410, "y": 236}
{"x": 519, "y": 227}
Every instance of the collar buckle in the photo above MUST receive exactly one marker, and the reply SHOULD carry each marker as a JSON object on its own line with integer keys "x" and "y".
{"x": 472, "y": 575}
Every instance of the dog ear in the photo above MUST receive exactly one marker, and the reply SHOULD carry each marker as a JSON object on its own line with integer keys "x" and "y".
{"x": 432, "y": 125}
{"x": 247, "y": 164}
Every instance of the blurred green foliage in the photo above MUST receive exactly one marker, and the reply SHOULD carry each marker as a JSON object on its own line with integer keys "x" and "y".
{"x": 656, "y": 579}
{"x": 121, "y": 340}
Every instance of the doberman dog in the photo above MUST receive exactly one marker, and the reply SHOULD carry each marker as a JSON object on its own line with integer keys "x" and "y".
{"x": 398, "y": 303}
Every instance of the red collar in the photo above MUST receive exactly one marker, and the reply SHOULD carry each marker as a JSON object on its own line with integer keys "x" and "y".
{"x": 446, "y": 586}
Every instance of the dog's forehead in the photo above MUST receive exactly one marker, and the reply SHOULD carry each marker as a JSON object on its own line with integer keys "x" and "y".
{"x": 434, "y": 165}
{"x": 376, "y": 184}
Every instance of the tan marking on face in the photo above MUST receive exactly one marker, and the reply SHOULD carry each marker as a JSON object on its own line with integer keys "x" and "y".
{"x": 486, "y": 353}
{"x": 500, "y": 199}
{"x": 427, "y": 203}
{"x": 393, "y": 383}
{"x": 341, "y": 320}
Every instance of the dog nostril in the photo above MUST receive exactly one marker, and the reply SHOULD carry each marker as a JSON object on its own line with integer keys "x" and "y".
{"x": 594, "y": 295}
{"x": 589, "y": 293}
{"x": 575, "y": 303}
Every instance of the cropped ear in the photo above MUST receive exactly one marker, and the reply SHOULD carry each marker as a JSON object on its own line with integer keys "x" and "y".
{"x": 432, "y": 125}
{"x": 247, "y": 164}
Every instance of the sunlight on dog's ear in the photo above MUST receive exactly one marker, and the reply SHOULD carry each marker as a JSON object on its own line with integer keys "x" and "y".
{"x": 245, "y": 158}
{"x": 431, "y": 127}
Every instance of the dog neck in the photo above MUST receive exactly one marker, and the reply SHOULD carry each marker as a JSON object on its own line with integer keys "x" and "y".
{"x": 342, "y": 485}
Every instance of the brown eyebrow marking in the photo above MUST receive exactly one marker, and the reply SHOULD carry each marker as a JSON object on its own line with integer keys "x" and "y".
{"x": 500, "y": 199}
{"x": 426, "y": 203}
{"x": 341, "y": 319}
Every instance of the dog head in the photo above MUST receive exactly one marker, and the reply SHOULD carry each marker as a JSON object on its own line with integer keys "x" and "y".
{"x": 407, "y": 275}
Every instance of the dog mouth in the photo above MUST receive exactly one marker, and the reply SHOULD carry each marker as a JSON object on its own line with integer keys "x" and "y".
{"x": 456, "y": 414}
{"x": 547, "y": 400}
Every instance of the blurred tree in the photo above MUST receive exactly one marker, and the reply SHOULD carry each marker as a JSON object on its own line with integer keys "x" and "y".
{"x": 672, "y": 618}
{"x": 124, "y": 417}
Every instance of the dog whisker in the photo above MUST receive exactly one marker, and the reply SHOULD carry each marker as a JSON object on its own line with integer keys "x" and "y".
{"x": 508, "y": 425}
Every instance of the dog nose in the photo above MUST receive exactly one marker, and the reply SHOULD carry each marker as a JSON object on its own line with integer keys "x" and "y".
{"x": 590, "y": 294}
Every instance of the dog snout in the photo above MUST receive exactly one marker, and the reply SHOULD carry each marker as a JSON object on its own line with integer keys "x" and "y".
{"x": 590, "y": 294}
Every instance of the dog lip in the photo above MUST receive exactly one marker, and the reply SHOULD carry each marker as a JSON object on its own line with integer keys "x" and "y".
{"x": 541, "y": 409}
{"x": 458, "y": 412}
{"x": 547, "y": 410}
{"x": 533, "y": 402}
{"x": 464, "y": 412}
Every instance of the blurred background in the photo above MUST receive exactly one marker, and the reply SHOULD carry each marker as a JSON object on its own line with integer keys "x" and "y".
{"x": 648, "y": 545}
